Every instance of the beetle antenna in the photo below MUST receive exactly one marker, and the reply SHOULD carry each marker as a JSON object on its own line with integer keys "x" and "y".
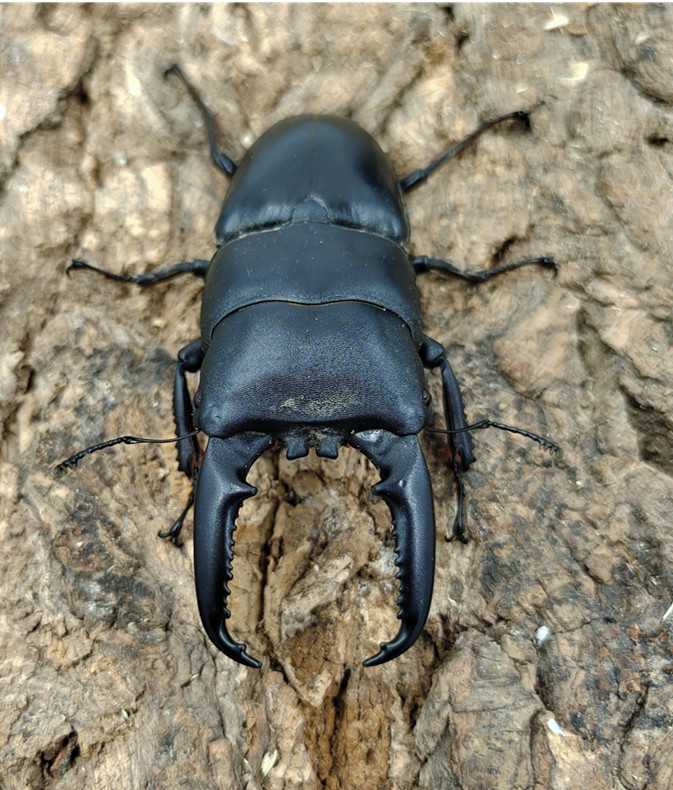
{"x": 70, "y": 463}
{"x": 552, "y": 447}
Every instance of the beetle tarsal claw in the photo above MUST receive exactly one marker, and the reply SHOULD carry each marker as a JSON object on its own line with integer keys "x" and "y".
{"x": 221, "y": 490}
{"x": 405, "y": 486}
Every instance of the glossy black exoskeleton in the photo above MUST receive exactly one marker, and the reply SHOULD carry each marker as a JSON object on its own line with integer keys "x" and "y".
{"x": 311, "y": 337}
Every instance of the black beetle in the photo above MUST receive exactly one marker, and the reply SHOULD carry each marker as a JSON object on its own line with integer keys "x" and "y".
{"x": 311, "y": 337}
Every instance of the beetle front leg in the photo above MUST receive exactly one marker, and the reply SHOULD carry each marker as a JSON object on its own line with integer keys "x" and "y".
{"x": 190, "y": 359}
{"x": 405, "y": 486}
{"x": 220, "y": 491}
{"x": 458, "y": 444}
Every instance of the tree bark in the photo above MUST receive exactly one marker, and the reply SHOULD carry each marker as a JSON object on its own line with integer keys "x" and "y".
{"x": 546, "y": 659}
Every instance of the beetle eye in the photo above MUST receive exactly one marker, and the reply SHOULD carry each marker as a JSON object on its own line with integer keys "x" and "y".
{"x": 197, "y": 399}
{"x": 427, "y": 398}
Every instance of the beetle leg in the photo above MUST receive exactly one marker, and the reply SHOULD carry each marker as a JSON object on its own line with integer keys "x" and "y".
{"x": 220, "y": 490}
{"x": 190, "y": 359}
{"x": 419, "y": 176}
{"x": 405, "y": 486}
{"x": 197, "y": 267}
{"x": 423, "y": 264}
{"x": 173, "y": 534}
{"x": 458, "y": 444}
{"x": 433, "y": 355}
{"x": 224, "y": 162}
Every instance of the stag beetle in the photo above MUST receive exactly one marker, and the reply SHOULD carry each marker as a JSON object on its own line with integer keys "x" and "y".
{"x": 311, "y": 337}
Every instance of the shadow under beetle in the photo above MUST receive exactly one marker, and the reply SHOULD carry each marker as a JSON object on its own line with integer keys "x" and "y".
{"x": 311, "y": 337}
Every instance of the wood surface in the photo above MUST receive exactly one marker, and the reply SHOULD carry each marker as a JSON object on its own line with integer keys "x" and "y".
{"x": 546, "y": 661}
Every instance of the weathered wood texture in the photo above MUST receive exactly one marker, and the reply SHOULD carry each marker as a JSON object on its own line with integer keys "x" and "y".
{"x": 107, "y": 679}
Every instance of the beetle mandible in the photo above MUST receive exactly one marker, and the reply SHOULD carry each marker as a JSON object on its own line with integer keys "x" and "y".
{"x": 311, "y": 337}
